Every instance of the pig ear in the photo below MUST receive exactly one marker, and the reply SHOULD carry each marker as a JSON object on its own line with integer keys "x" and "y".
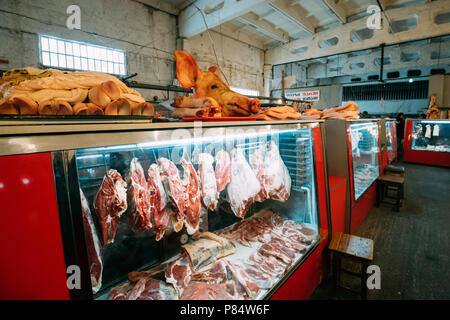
{"x": 215, "y": 70}
{"x": 187, "y": 69}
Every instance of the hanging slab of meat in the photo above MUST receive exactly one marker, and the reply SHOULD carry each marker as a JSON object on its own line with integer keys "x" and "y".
{"x": 244, "y": 186}
{"x": 256, "y": 160}
{"x": 158, "y": 200}
{"x": 194, "y": 205}
{"x": 210, "y": 196}
{"x": 278, "y": 181}
{"x": 207, "y": 248}
{"x": 205, "y": 291}
{"x": 174, "y": 190}
{"x": 139, "y": 202}
{"x": 178, "y": 273}
{"x": 93, "y": 245}
{"x": 109, "y": 204}
{"x": 223, "y": 170}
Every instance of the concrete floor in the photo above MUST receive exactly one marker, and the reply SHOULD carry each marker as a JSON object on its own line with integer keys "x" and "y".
{"x": 412, "y": 247}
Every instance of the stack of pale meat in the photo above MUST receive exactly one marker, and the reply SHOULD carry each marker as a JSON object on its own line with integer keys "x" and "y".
{"x": 166, "y": 200}
{"x": 276, "y": 240}
{"x": 347, "y": 111}
{"x": 32, "y": 91}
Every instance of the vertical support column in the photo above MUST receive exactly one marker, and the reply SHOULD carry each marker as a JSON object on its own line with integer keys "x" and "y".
{"x": 267, "y": 79}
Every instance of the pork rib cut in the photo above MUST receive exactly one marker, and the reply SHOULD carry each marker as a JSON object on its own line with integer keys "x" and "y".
{"x": 244, "y": 185}
{"x": 223, "y": 170}
{"x": 210, "y": 196}
{"x": 158, "y": 200}
{"x": 170, "y": 178}
{"x": 109, "y": 204}
{"x": 194, "y": 205}
{"x": 93, "y": 245}
{"x": 139, "y": 204}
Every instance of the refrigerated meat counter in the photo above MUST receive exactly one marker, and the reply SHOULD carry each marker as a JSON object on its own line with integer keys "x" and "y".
{"x": 353, "y": 156}
{"x": 229, "y": 210}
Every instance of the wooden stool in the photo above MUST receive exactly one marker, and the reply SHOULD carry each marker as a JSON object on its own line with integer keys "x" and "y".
{"x": 395, "y": 170}
{"x": 353, "y": 248}
{"x": 390, "y": 182}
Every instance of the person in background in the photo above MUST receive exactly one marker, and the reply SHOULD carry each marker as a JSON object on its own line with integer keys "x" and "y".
{"x": 433, "y": 110}
{"x": 400, "y": 126}
{"x": 364, "y": 115}
{"x": 423, "y": 116}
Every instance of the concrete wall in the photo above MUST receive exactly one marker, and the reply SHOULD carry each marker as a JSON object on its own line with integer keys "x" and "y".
{"x": 240, "y": 57}
{"x": 148, "y": 35}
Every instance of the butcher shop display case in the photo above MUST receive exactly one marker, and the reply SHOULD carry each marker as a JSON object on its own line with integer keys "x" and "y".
{"x": 427, "y": 142}
{"x": 353, "y": 153}
{"x": 232, "y": 210}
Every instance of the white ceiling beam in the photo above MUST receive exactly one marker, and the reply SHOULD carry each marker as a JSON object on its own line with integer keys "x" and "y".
{"x": 264, "y": 27}
{"x": 294, "y": 13}
{"x": 426, "y": 28}
{"x": 338, "y": 11}
{"x": 215, "y": 12}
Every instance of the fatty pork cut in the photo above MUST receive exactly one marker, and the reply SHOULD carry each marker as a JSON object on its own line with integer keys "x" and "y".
{"x": 174, "y": 190}
{"x": 210, "y": 196}
{"x": 223, "y": 170}
{"x": 93, "y": 245}
{"x": 110, "y": 203}
{"x": 277, "y": 179}
{"x": 139, "y": 205}
{"x": 158, "y": 200}
{"x": 194, "y": 205}
{"x": 244, "y": 185}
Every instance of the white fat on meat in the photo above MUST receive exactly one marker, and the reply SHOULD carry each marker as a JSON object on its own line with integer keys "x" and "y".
{"x": 93, "y": 245}
{"x": 256, "y": 160}
{"x": 178, "y": 273}
{"x": 244, "y": 185}
{"x": 278, "y": 181}
{"x": 210, "y": 196}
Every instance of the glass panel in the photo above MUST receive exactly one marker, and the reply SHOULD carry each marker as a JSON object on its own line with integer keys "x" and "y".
{"x": 272, "y": 189}
{"x": 61, "y": 47}
{"x": 69, "y": 62}
{"x": 364, "y": 144}
{"x": 431, "y": 135}
{"x": 45, "y": 58}
{"x": 44, "y": 44}
{"x": 53, "y": 45}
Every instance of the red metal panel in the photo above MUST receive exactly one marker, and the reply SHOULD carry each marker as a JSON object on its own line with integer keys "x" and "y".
{"x": 338, "y": 189}
{"x": 320, "y": 174}
{"x": 31, "y": 256}
{"x": 425, "y": 157}
{"x": 301, "y": 285}
{"x": 392, "y": 154}
{"x": 384, "y": 160}
{"x": 350, "y": 166}
{"x": 362, "y": 208}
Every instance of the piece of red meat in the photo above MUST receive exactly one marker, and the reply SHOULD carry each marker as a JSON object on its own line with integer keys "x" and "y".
{"x": 194, "y": 205}
{"x": 256, "y": 160}
{"x": 93, "y": 245}
{"x": 205, "y": 291}
{"x": 157, "y": 290}
{"x": 285, "y": 254}
{"x": 158, "y": 200}
{"x": 178, "y": 273}
{"x": 139, "y": 204}
{"x": 171, "y": 181}
{"x": 109, "y": 204}
{"x": 223, "y": 169}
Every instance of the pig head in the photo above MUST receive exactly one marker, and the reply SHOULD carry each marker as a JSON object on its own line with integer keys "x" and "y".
{"x": 209, "y": 84}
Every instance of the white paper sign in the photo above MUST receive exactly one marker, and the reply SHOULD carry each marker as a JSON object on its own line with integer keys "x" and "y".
{"x": 313, "y": 95}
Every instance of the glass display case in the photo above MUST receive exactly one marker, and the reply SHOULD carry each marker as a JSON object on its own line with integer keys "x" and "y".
{"x": 365, "y": 155}
{"x": 430, "y": 136}
{"x": 219, "y": 210}
{"x": 427, "y": 141}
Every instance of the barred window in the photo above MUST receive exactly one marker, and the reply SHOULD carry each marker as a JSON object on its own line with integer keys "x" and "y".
{"x": 74, "y": 55}
{"x": 387, "y": 91}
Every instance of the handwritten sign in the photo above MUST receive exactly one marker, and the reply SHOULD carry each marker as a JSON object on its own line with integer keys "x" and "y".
{"x": 313, "y": 95}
